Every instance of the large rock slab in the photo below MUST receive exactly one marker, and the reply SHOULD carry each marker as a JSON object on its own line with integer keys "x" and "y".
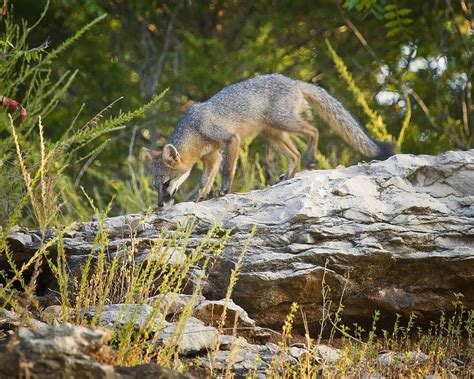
{"x": 403, "y": 230}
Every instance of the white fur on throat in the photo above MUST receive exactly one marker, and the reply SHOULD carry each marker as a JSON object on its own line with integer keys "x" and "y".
{"x": 175, "y": 183}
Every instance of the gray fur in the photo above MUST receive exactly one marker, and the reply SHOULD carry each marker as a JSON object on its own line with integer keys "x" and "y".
{"x": 269, "y": 104}
{"x": 340, "y": 120}
{"x": 270, "y": 100}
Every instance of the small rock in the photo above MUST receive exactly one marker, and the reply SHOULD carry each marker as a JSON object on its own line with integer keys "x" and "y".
{"x": 211, "y": 313}
{"x": 397, "y": 359}
{"x": 272, "y": 347}
{"x": 195, "y": 336}
{"x": 65, "y": 337}
{"x": 327, "y": 353}
{"x": 297, "y": 352}
{"x": 18, "y": 236}
{"x": 226, "y": 342}
{"x": 261, "y": 335}
{"x": 13, "y": 320}
{"x": 54, "y": 313}
{"x": 247, "y": 360}
{"x": 151, "y": 371}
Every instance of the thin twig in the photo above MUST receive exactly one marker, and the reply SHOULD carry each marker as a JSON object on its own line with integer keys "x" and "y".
{"x": 43, "y": 13}
{"x": 358, "y": 34}
{"x": 463, "y": 40}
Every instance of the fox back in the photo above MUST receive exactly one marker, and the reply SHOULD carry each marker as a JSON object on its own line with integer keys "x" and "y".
{"x": 268, "y": 104}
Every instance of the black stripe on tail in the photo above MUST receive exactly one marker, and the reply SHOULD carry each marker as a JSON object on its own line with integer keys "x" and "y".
{"x": 386, "y": 150}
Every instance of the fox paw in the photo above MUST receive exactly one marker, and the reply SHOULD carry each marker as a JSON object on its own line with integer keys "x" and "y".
{"x": 310, "y": 164}
{"x": 220, "y": 193}
{"x": 283, "y": 177}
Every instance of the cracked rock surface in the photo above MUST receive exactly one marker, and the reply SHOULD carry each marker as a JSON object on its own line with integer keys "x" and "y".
{"x": 402, "y": 228}
{"x": 68, "y": 351}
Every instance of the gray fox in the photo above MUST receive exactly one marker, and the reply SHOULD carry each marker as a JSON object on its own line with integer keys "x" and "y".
{"x": 269, "y": 104}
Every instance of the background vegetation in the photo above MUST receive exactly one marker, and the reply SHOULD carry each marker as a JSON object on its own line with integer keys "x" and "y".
{"x": 403, "y": 68}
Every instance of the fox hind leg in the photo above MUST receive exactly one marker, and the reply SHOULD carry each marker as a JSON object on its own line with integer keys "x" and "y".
{"x": 283, "y": 143}
{"x": 294, "y": 123}
{"x": 311, "y": 134}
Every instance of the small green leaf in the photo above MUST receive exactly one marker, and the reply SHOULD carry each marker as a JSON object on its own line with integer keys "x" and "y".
{"x": 390, "y": 15}
{"x": 391, "y": 24}
{"x": 404, "y": 11}
{"x": 393, "y": 32}
{"x": 351, "y": 4}
{"x": 379, "y": 14}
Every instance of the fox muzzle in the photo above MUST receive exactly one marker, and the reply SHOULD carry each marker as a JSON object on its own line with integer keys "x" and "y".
{"x": 164, "y": 196}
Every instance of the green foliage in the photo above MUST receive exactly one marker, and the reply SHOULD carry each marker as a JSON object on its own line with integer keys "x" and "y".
{"x": 36, "y": 174}
{"x": 398, "y": 20}
{"x": 376, "y": 7}
{"x": 196, "y": 49}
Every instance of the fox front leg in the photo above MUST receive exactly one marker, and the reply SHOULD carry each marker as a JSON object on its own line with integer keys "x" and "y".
{"x": 210, "y": 167}
{"x": 231, "y": 154}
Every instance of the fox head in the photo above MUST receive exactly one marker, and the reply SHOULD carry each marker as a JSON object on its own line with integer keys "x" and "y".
{"x": 169, "y": 172}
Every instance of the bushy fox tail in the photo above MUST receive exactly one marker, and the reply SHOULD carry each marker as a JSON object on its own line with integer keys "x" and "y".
{"x": 341, "y": 122}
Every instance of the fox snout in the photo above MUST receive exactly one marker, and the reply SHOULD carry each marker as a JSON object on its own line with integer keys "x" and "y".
{"x": 164, "y": 198}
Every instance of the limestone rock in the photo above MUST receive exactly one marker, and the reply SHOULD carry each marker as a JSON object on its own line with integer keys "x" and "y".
{"x": 53, "y": 313}
{"x": 247, "y": 360}
{"x": 327, "y": 353}
{"x": 210, "y": 312}
{"x": 54, "y": 351}
{"x": 194, "y": 337}
{"x": 135, "y": 314}
{"x": 398, "y": 359}
{"x": 174, "y": 303}
{"x": 297, "y": 352}
{"x": 64, "y": 351}
{"x": 403, "y": 228}
{"x": 10, "y": 320}
{"x": 226, "y": 341}
{"x": 171, "y": 256}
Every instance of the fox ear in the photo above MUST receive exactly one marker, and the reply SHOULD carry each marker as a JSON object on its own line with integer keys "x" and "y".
{"x": 170, "y": 154}
{"x": 152, "y": 155}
